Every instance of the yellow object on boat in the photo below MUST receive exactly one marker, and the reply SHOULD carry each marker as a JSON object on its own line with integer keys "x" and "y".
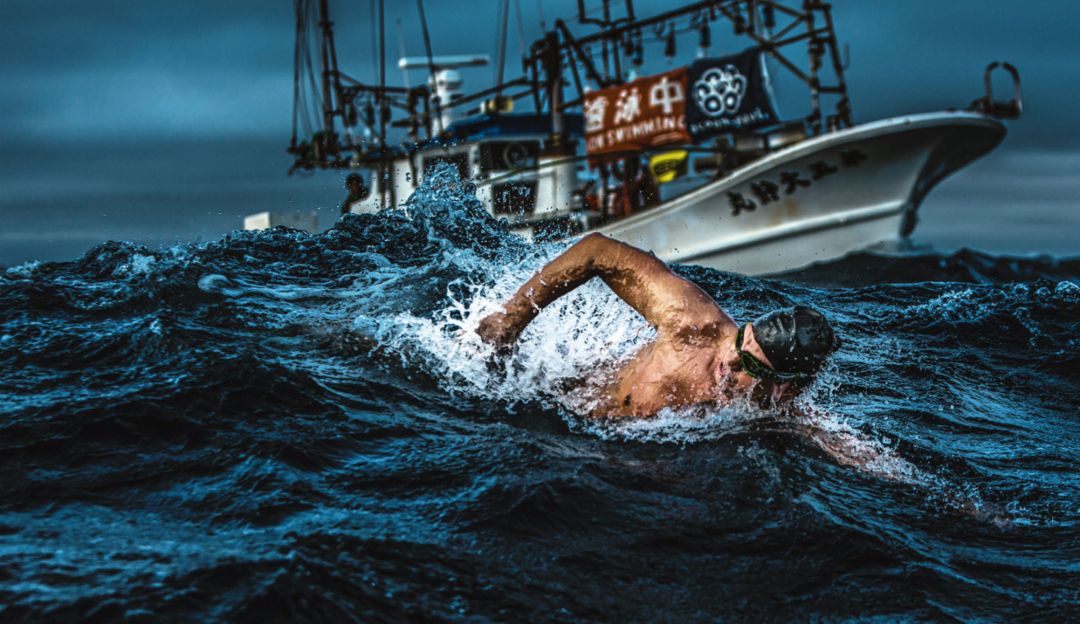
{"x": 668, "y": 166}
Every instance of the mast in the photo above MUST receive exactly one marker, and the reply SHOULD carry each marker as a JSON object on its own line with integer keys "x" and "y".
{"x": 328, "y": 74}
{"x": 432, "y": 70}
{"x": 553, "y": 69}
{"x": 770, "y": 26}
{"x": 384, "y": 110}
{"x": 558, "y": 177}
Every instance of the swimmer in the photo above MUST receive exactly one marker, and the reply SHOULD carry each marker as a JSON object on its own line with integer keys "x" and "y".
{"x": 700, "y": 354}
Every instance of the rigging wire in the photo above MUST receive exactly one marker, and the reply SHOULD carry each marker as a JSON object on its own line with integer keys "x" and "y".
{"x": 382, "y": 75}
{"x": 374, "y": 46}
{"x": 314, "y": 95}
{"x": 324, "y": 66}
{"x": 383, "y": 106}
{"x": 431, "y": 64}
{"x": 304, "y": 70}
{"x": 503, "y": 29}
{"x": 296, "y": 74}
{"x": 540, "y": 10}
{"x": 520, "y": 29}
{"x": 401, "y": 50}
{"x": 498, "y": 40}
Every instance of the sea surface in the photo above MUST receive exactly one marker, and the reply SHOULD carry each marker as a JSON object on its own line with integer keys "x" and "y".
{"x": 285, "y": 427}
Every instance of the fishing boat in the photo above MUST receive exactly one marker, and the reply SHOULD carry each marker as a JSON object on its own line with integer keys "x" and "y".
{"x": 693, "y": 163}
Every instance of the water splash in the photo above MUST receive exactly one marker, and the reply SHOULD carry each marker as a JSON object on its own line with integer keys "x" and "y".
{"x": 314, "y": 416}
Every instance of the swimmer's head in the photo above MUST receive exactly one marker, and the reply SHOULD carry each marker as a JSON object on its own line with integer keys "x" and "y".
{"x": 354, "y": 181}
{"x": 795, "y": 340}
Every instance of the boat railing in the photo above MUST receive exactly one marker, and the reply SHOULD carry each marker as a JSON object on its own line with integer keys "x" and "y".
{"x": 1001, "y": 109}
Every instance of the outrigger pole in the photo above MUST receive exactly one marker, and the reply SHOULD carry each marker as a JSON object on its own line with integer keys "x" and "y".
{"x": 821, "y": 41}
{"x": 432, "y": 70}
{"x": 384, "y": 112}
{"x": 759, "y": 20}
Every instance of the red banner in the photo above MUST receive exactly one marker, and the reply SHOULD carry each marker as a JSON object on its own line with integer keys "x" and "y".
{"x": 644, "y": 113}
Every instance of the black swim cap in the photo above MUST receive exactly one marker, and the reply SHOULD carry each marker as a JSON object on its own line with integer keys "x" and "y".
{"x": 796, "y": 340}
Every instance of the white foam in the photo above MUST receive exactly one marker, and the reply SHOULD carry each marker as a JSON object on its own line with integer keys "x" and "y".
{"x": 563, "y": 357}
{"x": 137, "y": 264}
{"x": 682, "y": 426}
{"x": 578, "y": 340}
{"x": 25, "y": 269}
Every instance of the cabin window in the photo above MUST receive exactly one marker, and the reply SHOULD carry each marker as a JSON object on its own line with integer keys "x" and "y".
{"x": 513, "y": 198}
{"x": 508, "y": 155}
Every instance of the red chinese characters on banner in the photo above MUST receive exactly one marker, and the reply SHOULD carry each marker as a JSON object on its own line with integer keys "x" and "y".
{"x": 644, "y": 113}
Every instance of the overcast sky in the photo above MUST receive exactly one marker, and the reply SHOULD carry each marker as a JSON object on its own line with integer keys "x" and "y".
{"x": 83, "y": 79}
{"x": 133, "y": 68}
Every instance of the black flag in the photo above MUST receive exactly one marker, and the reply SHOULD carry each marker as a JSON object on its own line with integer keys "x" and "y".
{"x": 728, "y": 94}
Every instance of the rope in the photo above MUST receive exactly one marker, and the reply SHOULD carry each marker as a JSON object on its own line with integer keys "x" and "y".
{"x": 431, "y": 62}
{"x": 520, "y": 28}
{"x": 504, "y": 10}
{"x": 296, "y": 72}
{"x": 374, "y": 47}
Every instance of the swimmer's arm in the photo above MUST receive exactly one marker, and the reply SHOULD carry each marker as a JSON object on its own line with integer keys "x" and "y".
{"x": 670, "y": 303}
{"x": 847, "y": 448}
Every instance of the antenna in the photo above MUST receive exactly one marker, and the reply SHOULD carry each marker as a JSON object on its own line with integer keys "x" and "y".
{"x": 431, "y": 63}
{"x": 384, "y": 110}
{"x": 401, "y": 49}
{"x": 520, "y": 29}
{"x": 326, "y": 41}
{"x": 374, "y": 44}
{"x": 445, "y": 82}
{"x": 504, "y": 14}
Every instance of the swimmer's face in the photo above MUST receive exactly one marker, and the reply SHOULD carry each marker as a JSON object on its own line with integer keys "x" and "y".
{"x": 751, "y": 347}
{"x": 733, "y": 367}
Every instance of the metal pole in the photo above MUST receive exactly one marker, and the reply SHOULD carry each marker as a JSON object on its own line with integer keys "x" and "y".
{"x": 503, "y": 30}
{"x": 431, "y": 64}
{"x": 554, "y": 80}
{"x": 814, "y": 60}
{"x": 843, "y": 106}
{"x": 328, "y": 100}
{"x": 616, "y": 49}
{"x": 296, "y": 72}
{"x": 590, "y": 69}
{"x": 383, "y": 108}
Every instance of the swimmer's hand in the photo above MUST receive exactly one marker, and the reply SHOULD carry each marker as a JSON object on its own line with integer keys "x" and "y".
{"x": 498, "y": 330}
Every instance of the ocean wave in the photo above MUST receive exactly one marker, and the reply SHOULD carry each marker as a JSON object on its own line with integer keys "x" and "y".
{"x": 279, "y": 425}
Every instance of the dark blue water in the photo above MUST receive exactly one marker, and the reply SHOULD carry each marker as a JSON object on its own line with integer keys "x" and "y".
{"x": 281, "y": 427}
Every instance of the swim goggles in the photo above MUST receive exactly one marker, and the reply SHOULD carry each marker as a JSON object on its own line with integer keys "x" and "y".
{"x": 758, "y": 369}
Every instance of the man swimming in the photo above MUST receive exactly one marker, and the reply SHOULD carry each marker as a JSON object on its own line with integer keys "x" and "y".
{"x": 700, "y": 354}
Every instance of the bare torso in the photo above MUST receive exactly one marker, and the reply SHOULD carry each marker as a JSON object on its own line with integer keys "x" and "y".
{"x": 665, "y": 373}
{"x": 691, "y": 361}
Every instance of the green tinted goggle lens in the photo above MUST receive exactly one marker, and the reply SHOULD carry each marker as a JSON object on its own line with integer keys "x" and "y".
{"x": 755, "y": 367}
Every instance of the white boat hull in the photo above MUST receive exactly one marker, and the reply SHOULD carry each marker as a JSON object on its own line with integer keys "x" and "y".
{"x": 867, "y": 191}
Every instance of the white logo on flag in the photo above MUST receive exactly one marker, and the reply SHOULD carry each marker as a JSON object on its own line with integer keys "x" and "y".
{"x": 719, "y": 91}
